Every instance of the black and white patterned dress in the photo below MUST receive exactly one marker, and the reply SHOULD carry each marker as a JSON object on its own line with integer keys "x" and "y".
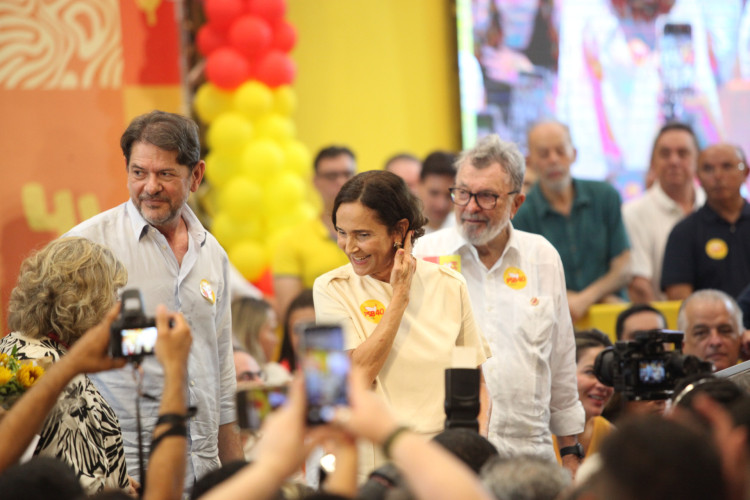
{"x": 82, "y": 430}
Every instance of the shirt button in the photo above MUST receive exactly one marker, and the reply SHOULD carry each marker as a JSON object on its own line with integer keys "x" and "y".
{"x": 192, "y": 383}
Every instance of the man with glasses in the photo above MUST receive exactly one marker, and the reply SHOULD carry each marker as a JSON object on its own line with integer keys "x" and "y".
{"x": 309, "y": 249}
{"x": 517, "y": 289}
{"x": 580, "y": 218}
{"x": 710, "y": 248}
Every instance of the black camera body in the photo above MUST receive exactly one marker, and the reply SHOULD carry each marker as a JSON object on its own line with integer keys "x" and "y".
{"x": 132, "y": 334}
{"x": 644, "y": 369}
{"x": 462, "y": 398}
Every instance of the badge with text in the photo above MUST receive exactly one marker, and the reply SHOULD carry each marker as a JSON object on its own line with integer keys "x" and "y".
{"x": 452, "y": 261}
{"x": 514, "y": 278}
{"x": 207, "y": 291}
{"x": 372, "y": 310}
{"x": 716, "y": 248}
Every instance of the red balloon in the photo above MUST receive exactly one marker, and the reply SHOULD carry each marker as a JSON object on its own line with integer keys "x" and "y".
{"x": 284, "y": 36}
{"x": 271, "y": 10}
{"x": 221, "y": 13}
{"x": 250, "y": 35}
{"x": 275, "y": 69}
{"x": 209, "y": 39}
{"x": 226, "y": 68}
{"x": 265, "y": 283}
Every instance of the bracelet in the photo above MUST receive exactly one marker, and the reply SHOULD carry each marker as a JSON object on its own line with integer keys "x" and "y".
{"x": 176, "y": 418}
{"x": 176, "y": 430}
{"x": 388, "y": 443}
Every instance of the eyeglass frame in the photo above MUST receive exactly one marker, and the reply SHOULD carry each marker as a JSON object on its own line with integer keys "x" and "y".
{"x": 476, "y": 197}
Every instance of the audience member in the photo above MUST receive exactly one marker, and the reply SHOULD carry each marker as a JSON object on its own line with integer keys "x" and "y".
{"x": 402, "y": 320}
{"x": 435, "y": 180}
{"x": 650, "y": 218}
{"x": 524, "y": 478}
{"x": 580, "y": 218}
{"x": 406, "y": 166}
{"x": 300, "y": 312}
{"x": 712, "y": 322}
{"x": 472, "y": 448}
{"x": 254, "y": 326}
{"x": 41, "y": 478}
{"x": 593, "y": 394}
{"x": 709, "y": 248}
{"x": 308, "y": 250}
{"x": 638, "y": 318}
{"x": 517, "y": 290}
{"x": 62, "y": 291}
{"x": 430, "y": 471}
{"x": 174, "y": 261}
{"x": 246, "y": 366}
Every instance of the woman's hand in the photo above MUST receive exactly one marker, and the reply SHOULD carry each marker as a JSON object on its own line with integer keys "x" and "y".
{"x": 404, "y": 265}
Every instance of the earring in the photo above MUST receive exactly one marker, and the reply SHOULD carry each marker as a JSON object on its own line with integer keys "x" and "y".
{"x": 396, "y": 245}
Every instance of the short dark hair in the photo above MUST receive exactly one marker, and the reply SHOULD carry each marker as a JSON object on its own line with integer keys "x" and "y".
{"x": 41, "y": 478}
{"x": 439, "y": 163}
{"x": 167, "y": 131}
{"x": 634, "y": 309}
{"x": 332, "y": 152}
{"x": 400, "y": 156}
{"x": 469, "y": 446}
{"x": 387, "y": 195}
{"x": 586, "y": 339}
{"x": 674, "y": 126}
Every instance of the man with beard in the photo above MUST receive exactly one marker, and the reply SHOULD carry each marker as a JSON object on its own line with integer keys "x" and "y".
{"x": 580, "y": 218}
{"x": 517, "y": 289}
{"x": 174, "y": 261}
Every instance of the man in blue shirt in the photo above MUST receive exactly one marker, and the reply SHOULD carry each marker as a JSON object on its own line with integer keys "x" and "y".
{"x": 580, "y": 218}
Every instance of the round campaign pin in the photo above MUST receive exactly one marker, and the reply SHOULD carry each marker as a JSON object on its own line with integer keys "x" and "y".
{"x": 207, "y": 291}
{"x": 716, "y": 248}
{"x": 515, "y": 278}
{"x": 372, "y": 310}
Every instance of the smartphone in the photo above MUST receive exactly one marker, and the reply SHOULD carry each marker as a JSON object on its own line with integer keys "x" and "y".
{"x": 255, "y": 403}
{"x": 677, "y": 57}
{"x": 326, "y": 368}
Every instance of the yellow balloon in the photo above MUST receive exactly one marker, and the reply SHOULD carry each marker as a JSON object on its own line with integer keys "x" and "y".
{"x": 210, "y": 102}
{"x": 262, "y": 159}
{"x": 284, "y": 100}
{"x": 298, "y": 159}
{"x": 221, "y": 167}
{"x": 230, "y": 231}
{"x": 276, "y": 127}
{"x": 253, "y": 99}
{"x": 250, "y": 258}
{"x": 230, "y": 132}
{"x": 283, "y": 192}
{"x": 240, "y": 198}
{"x": 292, "y": 216}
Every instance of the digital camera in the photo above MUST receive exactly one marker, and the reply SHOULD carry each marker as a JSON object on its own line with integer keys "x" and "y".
{"x": 132, "y": 334}
{"x": 648, "y": 367}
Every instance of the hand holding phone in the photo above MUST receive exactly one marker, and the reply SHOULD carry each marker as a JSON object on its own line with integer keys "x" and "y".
{"x": 326, "y": 366}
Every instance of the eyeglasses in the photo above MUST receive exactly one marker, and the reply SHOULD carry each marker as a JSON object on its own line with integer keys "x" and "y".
{"x": 250, "y": 376}
{"x": 484, "y": 199}
{"x": 332, "y": 176}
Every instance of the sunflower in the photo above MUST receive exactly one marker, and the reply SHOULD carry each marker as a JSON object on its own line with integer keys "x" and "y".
{"x": 5, "y": 375}
{"x": 28, "y": 375}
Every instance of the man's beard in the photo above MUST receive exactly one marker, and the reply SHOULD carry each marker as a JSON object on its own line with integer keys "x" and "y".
{"x": 482, "y": 236}
{"x": 171, "y": 214}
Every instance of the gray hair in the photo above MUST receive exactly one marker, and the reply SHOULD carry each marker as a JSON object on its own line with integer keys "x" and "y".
{"x": 491, "y": 149}
{"x": 711, "y": 295}
{"x": 524, "y": 478}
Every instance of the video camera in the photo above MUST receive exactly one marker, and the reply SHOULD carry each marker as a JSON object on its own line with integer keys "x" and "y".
{"x": 132, "y": 334}
{"x": 644, "y": 369}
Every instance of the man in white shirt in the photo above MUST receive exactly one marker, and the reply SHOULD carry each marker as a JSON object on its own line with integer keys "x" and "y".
{"x": 649, "y": 219}
{"x": 517, "y": 289}
{"x": 174, "y": 261}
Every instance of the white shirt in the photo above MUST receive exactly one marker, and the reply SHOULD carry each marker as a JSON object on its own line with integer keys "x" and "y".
{"x": 521, "y": 306}
{"x": 188, "y": 288}
{"x": 648, "y": 222}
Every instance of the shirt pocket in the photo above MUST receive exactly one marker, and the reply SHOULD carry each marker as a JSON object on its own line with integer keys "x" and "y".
{"x": 534, "y": 319}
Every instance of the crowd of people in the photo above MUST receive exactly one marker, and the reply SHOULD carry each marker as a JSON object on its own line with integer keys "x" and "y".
{"x": 451, "y": 262}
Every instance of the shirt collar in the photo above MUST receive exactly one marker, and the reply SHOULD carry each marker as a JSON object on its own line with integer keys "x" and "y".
{"x": 140, "y": 225}
{"x": 457, "y": 244}
{"x": 664, "y": 201}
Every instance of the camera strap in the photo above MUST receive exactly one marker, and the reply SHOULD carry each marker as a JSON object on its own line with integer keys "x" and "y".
{"x": 138, "y": 378}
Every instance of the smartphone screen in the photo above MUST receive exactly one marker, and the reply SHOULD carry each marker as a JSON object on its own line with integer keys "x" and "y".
{"x": 326, "y": 368}
{"x": 255, "y": 403}
{"x": 677, "y": 57}
{"x": 138, "y": 341}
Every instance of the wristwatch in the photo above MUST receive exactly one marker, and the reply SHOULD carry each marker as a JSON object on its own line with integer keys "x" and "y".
{"x": 576, "y": 449}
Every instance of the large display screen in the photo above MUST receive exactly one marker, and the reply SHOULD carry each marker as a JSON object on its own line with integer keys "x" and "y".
{"x": 613, "y": 70}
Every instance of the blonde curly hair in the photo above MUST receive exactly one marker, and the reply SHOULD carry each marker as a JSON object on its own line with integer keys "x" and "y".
{"x": 65, "y": 288}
